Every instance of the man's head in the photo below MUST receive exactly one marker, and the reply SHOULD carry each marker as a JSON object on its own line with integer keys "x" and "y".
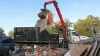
{"x": 41, "y": 15}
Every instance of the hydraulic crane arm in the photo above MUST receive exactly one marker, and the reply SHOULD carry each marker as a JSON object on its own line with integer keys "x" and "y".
{"x": 59, "y": 14}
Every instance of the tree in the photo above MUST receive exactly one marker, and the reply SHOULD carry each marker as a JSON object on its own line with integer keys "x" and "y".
{"x": 60, "y": 29}
{"x": 11, "y": 34}
{"x": 2, "y": 32}
{"x": 90, "y": 26}
{"x": 68, "y": 23}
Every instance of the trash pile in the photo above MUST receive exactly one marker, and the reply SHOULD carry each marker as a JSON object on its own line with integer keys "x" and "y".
{"x": 44, "y": 51}
{"x": 76, "y": 49}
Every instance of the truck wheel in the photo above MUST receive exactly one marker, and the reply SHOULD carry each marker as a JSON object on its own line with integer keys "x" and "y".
{"x": 9, "y": 52}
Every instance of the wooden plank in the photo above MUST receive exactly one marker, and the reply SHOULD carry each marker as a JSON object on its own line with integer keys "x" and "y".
{"x": 88, "y": 50}
{"x": 77, "y": 49}
{"x": 42, "y": 23}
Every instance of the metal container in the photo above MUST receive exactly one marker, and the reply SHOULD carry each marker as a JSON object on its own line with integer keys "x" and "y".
{"x": 32, "y": 35}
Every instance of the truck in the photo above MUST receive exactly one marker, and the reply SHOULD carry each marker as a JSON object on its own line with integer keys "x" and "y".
{"x": 31, "y": 36}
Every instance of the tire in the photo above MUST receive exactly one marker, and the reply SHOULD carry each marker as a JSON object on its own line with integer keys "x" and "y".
{"x": 9, "y": 52}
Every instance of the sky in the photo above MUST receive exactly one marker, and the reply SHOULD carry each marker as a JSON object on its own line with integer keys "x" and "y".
{"x": 23, "y": 13}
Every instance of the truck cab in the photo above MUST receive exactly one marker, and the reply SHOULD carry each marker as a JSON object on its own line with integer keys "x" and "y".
{"x": 74, "y": 36}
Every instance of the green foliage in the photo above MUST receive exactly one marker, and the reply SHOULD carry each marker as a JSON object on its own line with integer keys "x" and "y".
{"x": 55, "y": 29}
{"x": 11, "y": 34}
{"x": 51, "y": 29}
{"x": 88, "y": 27}
{"x": 2, "y": 32}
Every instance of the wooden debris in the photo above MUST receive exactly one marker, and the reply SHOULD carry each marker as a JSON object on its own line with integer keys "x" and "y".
{"x": 57, "y": 52}
{"x": 88, "y": 50}
{"x": 77, "y": 49}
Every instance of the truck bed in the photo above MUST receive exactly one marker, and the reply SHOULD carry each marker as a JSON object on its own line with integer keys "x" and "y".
{"x": 29, "y": 35}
